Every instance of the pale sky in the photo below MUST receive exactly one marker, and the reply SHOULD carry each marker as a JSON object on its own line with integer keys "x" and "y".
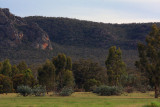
{"x": 107, "y": 11}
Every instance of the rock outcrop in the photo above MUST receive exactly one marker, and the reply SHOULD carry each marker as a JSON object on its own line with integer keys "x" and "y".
{"x": 15, "y": 31}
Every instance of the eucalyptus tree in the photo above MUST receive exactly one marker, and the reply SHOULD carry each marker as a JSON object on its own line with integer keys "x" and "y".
{"x": 116, "y": 68}
{"x": 149, "y": 58}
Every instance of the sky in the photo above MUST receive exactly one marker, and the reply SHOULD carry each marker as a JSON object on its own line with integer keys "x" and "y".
{"x": 107, "y": 11}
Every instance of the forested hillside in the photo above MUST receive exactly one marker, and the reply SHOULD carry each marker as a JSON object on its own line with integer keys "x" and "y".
{"x": 40, "y": 38}
{"x": 74, "y": 32}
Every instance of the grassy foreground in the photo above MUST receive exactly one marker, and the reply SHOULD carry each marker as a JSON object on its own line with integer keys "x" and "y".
{"x": 78, "y": 99}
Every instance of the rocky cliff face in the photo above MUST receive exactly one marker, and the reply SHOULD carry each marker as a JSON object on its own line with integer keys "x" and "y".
{"x": 15, "y": 31}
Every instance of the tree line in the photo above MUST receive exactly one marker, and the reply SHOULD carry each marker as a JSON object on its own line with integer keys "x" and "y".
{"x": 12, "y": 76}
{"x": 85, "y": 75}
{"x": 60, "y": 72}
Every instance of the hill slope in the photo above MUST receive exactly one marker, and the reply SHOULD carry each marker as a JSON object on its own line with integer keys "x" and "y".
{"x": 33, "y": 38}
{"x": 74, "y": 32}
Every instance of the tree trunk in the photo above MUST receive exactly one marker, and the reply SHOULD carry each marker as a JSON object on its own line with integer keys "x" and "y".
{"x": 156, "y": 91}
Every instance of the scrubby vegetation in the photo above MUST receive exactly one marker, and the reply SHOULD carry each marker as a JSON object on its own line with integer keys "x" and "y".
{"x": 95, "y": 58}
{"x": 66, "y": 91}
{"x": 39, "y": 90}
{"x": 24, "y": 90}
{"x": 62, "y": 76}
{"x": 108, "y": 90}
{"x": 78, "y": 39}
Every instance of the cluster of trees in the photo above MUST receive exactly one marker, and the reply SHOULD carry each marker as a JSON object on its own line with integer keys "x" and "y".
{"x": 60, "y": 72}
{"x": 12, "y": 76}
{"x": 57, "y": 73}
{"x": 88, "y": 74}
{"x": 85, "y": 75}
{"x": 149, "y": 62}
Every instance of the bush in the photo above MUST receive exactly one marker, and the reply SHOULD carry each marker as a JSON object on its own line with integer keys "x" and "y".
{"x": 108, "y": 90}
{"x": 90, "y": 84}
{"x": 39, "y": 90}
{"x": 66, "y": 91}
{"x": 24, "y": 90}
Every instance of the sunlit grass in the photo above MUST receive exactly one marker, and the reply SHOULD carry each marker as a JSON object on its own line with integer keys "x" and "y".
{"x": 78, "y": 99}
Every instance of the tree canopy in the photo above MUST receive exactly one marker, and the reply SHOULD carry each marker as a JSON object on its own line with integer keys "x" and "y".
{"x": 116, "y": 68}
{"x": 149, "y": 62}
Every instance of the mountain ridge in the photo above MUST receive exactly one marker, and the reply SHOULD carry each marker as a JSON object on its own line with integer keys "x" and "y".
{"x": 36, "y": 38}
{"x": 15, "y": 31}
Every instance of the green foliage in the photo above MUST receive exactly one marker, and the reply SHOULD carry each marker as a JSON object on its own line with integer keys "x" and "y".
{"x": 60, "y": 62}
{"x": 15, "y": 70}
{"x": 22, "y": 66}
{"x": 153, "y": 104}
{"x": 23, "y": 79}
{"x": 6, "y": 85}
{"x": 39, "y": 90}
{"x": 64, "y": 75}
{"x": 69, "y": 64}
{"x": 6, "y": 69}
{"x": 18, "y": 80}
{"x": 107, "y": 90}
{"x": 135, "y": 81}
{"x": 46, "y": 75}
{"x": 116, "y": 68}
{"x": 85, "y": 71}
{"x": 68, "y": 79}
{"x": 149, "y": 58}
{"x": 79, "y": 39}
{"x": 29, "y": 79}
{"x": 90, "y": 84}
{"x": 24, "y": 90}
{"x": 66, "y": 91}
{"x": 13, "y": 76}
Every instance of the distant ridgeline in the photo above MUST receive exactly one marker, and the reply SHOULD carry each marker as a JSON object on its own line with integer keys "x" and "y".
{"x": 36, "y": 38}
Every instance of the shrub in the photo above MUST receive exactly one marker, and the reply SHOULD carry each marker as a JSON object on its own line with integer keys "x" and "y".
{"x": 66, "y": 91}
{"x": 90, "y": 84}
{"x": 24, "y": 90}
{"x": 39, "y": 90}
{"x": 108, "y": 90}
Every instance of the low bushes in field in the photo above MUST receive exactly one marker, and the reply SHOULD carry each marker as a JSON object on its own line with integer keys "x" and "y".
{"x": 39, "y": 90}
{"x": 26, "y": 90}
{"x": 66, "y": 91}
{"x": 108, "y": 90}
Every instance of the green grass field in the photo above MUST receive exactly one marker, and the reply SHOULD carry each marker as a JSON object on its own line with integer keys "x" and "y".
{"x": 79, "y": 99}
